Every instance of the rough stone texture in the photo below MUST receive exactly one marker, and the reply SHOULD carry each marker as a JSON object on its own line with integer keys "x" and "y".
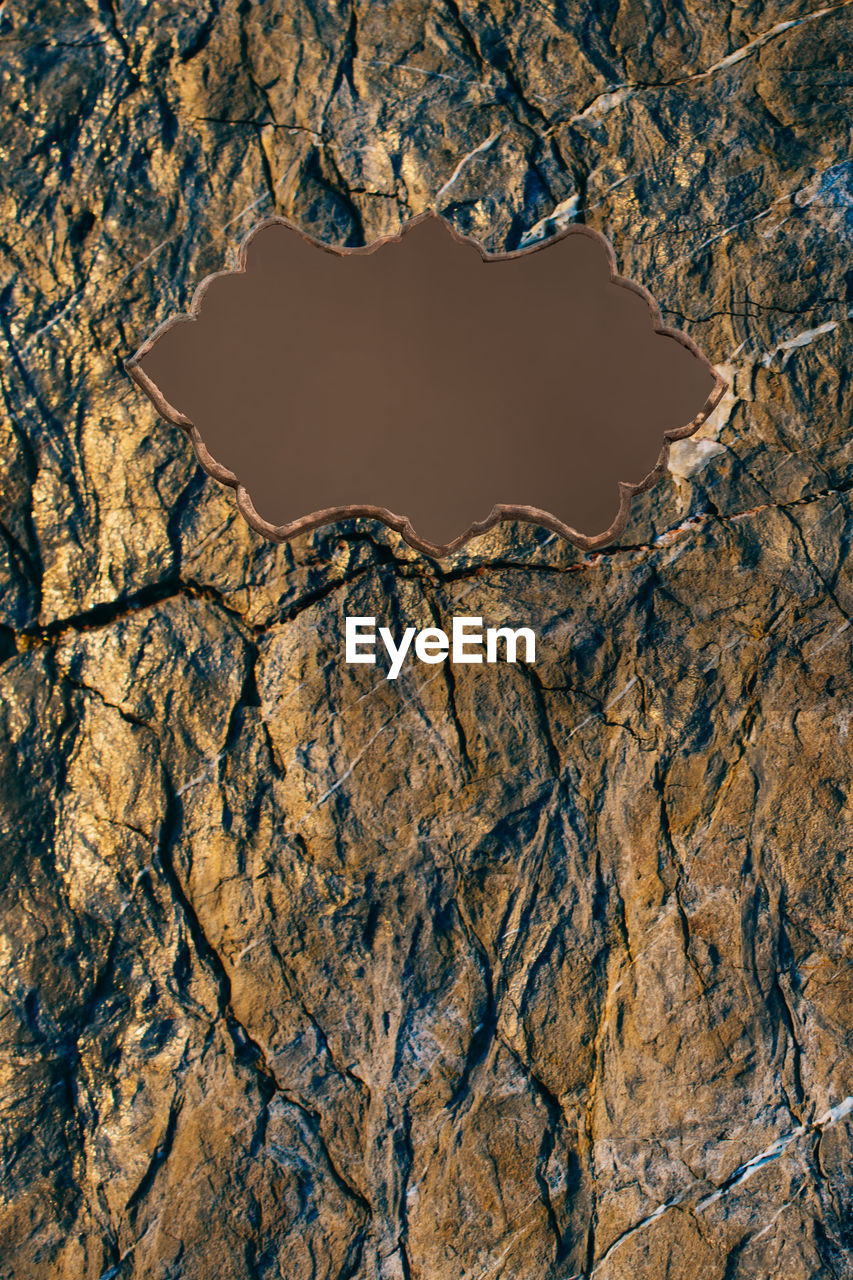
{"x": 511, "y": 972}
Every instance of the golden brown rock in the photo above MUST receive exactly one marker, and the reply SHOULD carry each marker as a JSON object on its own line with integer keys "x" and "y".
{"x": 498, "y": 973}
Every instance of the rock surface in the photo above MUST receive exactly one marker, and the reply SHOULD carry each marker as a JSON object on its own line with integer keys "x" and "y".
{"x": 499, "y": 972}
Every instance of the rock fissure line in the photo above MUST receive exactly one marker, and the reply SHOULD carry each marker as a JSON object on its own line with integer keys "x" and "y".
{"x": 108, "y": 612}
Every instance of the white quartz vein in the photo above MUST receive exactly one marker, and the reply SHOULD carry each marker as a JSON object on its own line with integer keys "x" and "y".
{"x": 466, "y": 160}
{"x": 559, "y": 217}
{"x": 801, "y": 339}
{"x": 741, "y": 1174}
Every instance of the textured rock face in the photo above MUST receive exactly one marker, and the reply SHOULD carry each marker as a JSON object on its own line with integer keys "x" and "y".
{"x": 508, "y": 972}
